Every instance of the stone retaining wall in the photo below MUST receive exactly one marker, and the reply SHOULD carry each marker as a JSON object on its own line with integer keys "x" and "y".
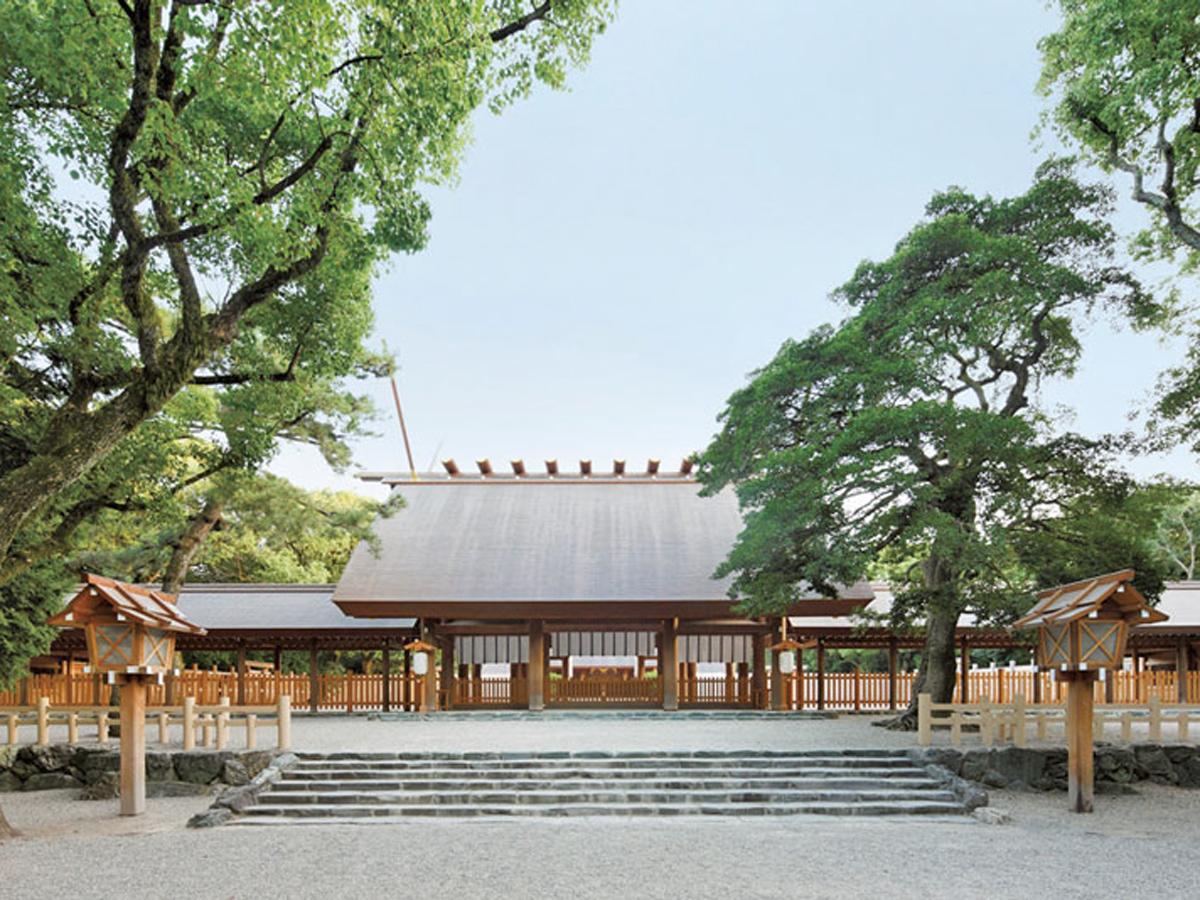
{"x": 1117, "y": 767}
{"x": 96, "y": 769}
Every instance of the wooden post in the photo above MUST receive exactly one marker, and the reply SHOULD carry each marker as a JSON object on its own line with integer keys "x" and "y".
{"x": 71, "y": 678}
{"x": 448, "y": 671}
{"x": 277, "y": 668}
{"x": 820, "y": 673}
{"x": 762, "y": 690}
{"x": 43, "y": 721}
{"x": 536, "y": 682}
{"x": 965, "y": 667}
{"x": 1037, "y": 687}
{"x": 283, "y": 738}
{"x": 1155, "y": 718}
{"x": 314, "y": 685}
{"x": 1181, "y": 668}
{"x": 72, "y": 727}
{"x": 251, "y": 731}
{"x": 730, "y": 685}
{"x": 133, "y": 745}
{"x": 1110, "y": 679}
{"x": 668, "y": 665}
{"x": 241, "y": 673}
{"x": 12, "y": 729}
{"x": 222, "y": 725}
{"x": 189, "y": 723}
{"x": 164, "y": 728}
{"x": 778, "y": 697}
{"x": 799, "y": 679}
{"x": 387, "y": 675}
{"x": 1079, "y": 740}
{"x": 893, "y": 659}
{"x": 102, "y": 728}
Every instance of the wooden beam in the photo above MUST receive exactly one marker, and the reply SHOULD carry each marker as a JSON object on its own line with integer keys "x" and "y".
{"x": 133, "y": 745}
{"x": 447, "y": 645}
{"x": 485, "y": 466}
{"x": 668, "y": 664}
{"x": 1079, "y": 740}
{"x": 965, "y": 672}
{"x": 762, "y": 690}
{"x": 893, "y": 653}
{"x": 652, "y": 466}
{"x": 537, "y": 665}
{"x": 451, "y": 467}
{"x": 820, "y": 673}
{"x": 314, "y": 686}
{"x": 518, "y": 467}
{"x": 241, "y": 673}
{"x": 1181, "y": 669}
{"x": 387, "y": 676}
{"x": 552, "y": 467}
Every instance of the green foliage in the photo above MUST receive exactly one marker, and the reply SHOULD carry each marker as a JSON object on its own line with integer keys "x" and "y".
{"x": 234, "y": 173}
{"x": 25, "y": 604}
{"x": 270, "y": 531}
{"x": 911, "y": 428}
{"x": 1124, "y": 76}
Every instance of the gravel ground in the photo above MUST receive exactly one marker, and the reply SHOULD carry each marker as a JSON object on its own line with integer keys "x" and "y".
{"x": 1144, "y": 845}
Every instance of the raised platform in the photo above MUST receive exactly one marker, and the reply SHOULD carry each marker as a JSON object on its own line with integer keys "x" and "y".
{"x": 576, "y": 715}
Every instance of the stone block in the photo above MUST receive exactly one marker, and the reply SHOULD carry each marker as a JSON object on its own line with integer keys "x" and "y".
{"x": 108, "y": 787}
{"x": 9, "y": 781}
{"x": 177, "y": 789}
{"x": 199, "y": 766}
{"x": 990, "y": 816}
{"x": 159, "y": 766}
{"x": 50, "y": 758}
{"x": 234, "y": 772}
{"x": 49, "y": 781}
{"x": 210, "y": 818}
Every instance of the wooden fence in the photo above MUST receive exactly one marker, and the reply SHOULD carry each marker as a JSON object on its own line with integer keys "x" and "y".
{"x": 201, "y": 724}
{"x": 606, "y": 691}
{"x": 854, "y": 690}
{"x": 1010, "y": 722}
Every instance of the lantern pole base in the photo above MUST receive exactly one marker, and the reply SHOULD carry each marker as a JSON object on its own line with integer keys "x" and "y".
{"x": 133, "y": 742}
{"x": 1080, "y": 763}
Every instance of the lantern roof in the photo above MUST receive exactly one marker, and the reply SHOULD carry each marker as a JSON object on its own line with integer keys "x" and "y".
{"x": 1113, "y": 593}
{"x": 101, "y": 596}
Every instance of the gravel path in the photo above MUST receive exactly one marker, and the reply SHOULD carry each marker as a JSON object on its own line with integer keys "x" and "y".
{"x": 1148, "y": 845}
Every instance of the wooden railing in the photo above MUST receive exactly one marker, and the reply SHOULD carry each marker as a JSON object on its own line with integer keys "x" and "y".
{"x": 600, "y": 690}
{"x": 855, "y": 690}
{"x": 490, "y": 692}
{"x": 203, "y": 724}
{"x": 1010, "y": 722}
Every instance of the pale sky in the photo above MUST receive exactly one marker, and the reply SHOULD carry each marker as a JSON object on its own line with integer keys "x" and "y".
{"x": 617, "y": 257}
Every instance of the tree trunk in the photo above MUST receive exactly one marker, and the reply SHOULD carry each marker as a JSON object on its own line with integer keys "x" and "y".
{"x": 938, "y": 671}
{"x": 186, "y": 546}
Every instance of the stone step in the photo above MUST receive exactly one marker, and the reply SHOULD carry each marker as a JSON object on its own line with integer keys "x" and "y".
{"x": 560, "y": 797}
{"x": 381, "y": 814}
{"x": 806, "y": 782}
{"x": 597, "y": 754}
{"x": 794, "y": 764}
{"x": 521, "y": 775}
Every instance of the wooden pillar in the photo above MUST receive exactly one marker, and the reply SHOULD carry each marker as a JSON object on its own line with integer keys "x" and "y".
{"x": 668, "y": 665}
{"x": 1181, "y": 668}
{"x": 1110, "y": 679}
{"x": 71, "y": 678}
{"x": 277, "y": 668}
{"x": 778, "y": 687}
{"x": 428, "y": 696}
{"x": 730, "y": 684}
{"x": 965, "y": 673}
{"x": 241, "y": 673}
{"x": 799, "y": 679}
{"x": 387, "y": 675}
{"x": 820, "y": 673}
{"x": 133, "y": 745}
{"x": 406, "y": 694}
{"x": 1079, "y": 740}
{"x": 447, "y": 646}
{"x": 762, "y": 698}
{"x": 314, "y": 685}
{"x": 893, "y": 659}
{"x": 536, "y": 682}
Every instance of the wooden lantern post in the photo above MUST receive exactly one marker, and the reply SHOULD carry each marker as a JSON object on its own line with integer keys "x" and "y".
{"x": 131, "y": 639}
{"x": 1082, "y": 628}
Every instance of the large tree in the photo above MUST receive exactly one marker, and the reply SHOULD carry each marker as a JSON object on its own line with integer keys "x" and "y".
{"x": 912, "y": 427}
{"x": 194, "y": 192}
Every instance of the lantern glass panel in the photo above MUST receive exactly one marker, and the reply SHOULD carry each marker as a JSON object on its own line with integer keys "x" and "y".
{"x": 114, "y": 645}
{"x": 1098, "y": 641}
{"x": 787, "y": 662}
{"x": 156, "y": 647}
{"x": 1056, "y": 644}
{"x": 420, "y": 663}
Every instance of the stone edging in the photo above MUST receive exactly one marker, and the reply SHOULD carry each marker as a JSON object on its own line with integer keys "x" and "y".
{"x": 1117, "y": 767}
{"x": 95, "y": 769}
{"x": 239, "y": 798}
